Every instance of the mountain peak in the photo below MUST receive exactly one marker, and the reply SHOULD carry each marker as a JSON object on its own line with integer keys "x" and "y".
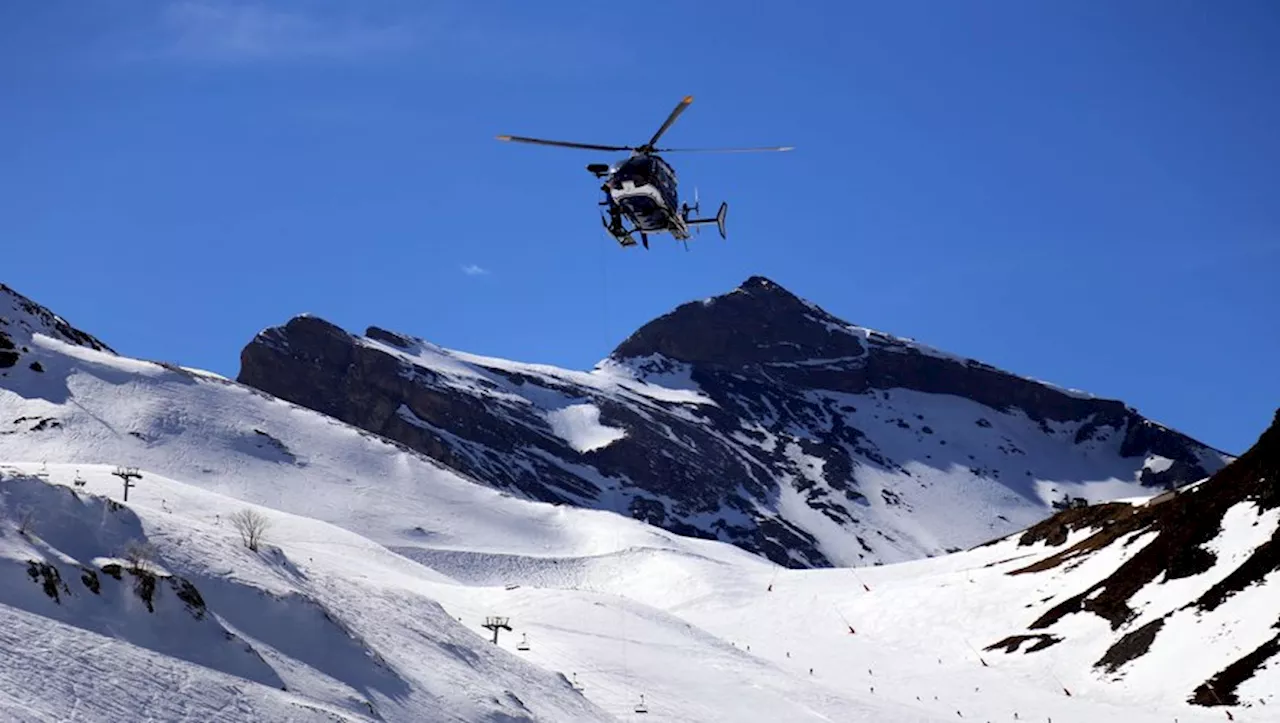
{"x": 758, "y": 322}
{"x": 761, "y": 282}
{"x": 757, "y": 421}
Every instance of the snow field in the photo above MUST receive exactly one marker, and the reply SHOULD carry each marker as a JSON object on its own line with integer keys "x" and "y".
{"x": 374, "y": 554}
{"x": 579, "y": 425}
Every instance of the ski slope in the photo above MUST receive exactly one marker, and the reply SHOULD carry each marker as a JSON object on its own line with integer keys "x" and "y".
{"x": 380, "y": 567}
{"x": 346, "y": 623}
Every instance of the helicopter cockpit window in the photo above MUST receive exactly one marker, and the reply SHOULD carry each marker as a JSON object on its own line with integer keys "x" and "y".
{"x": 663, "y": 175}
{"x": 636, "y": 170}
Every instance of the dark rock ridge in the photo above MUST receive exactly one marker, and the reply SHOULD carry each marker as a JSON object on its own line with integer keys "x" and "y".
{"x": 754, "y": 417}
{"x": 21, "y": 317}
{"x": 21, "y": 314}
{"x": 1184, "y": 522}
{"x": 764, "y": 326}
{"x": 1175, "y": 528}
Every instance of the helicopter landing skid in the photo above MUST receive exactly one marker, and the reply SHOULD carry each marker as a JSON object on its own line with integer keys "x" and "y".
{"x": 623, "y": 236}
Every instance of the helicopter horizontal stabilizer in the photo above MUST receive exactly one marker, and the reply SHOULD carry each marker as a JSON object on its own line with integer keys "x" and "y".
{"x": 718, "y": 220}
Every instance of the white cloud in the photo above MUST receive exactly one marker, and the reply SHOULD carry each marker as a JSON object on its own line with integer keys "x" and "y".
{"x": 239, "y": 32}
{"x": 473, "y": 270}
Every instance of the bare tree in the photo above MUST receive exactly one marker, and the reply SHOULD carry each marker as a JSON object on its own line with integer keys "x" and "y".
{"x": 139, "y": 555}
{"x": 252, "y": 527}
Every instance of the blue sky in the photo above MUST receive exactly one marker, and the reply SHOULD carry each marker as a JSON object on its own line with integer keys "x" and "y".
{"x": 1082, "y": 192}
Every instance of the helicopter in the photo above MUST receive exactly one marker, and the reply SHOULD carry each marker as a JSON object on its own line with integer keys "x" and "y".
{"x": 642, "y": 188}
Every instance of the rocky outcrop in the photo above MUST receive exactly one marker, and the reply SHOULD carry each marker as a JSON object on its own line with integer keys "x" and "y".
{"x": 1181, "y": 534}
{"x": 8, "y": 351}
{"x": 1184, "y": 523}
{"x": 754, "y": 417}
{"x": 762, "y": 326}
{"x": 21, "y": 317}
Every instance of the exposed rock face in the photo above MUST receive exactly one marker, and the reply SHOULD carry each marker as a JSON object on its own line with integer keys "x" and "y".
{"x": 1183, "y": 523}
{"x": 8, "y": 351}
{"x": 21, "y": 317}
{"x": 762, "y": 325}
{"x": 1183, "y": 556}
{"x": 754, "y": 417}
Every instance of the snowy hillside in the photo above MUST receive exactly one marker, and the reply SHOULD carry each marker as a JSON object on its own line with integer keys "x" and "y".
{"x": 367, "y": 599}
{"x": 753, "y": 417}
{"x": 318, "y": 624}
{"x": 338, "y": 619}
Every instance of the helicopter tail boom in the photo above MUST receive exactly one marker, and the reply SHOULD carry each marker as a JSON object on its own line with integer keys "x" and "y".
{"x": 718, "y": 220}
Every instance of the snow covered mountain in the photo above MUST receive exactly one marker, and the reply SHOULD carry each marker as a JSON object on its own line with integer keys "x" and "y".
{"x": 367, "y": 598}
{"x": 1165, "y": 599}
{"x": 753, "y": 417}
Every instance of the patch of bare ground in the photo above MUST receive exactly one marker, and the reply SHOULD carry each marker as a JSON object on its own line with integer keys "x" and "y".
{"x": 1011, "y": 644}
{"x": 1111, "y": 528}
{"x": 1007, "y": 559}
{"x": 1221, "y": 688}
{"x": 1130, "y": 647}
{"x": 1054, "y": 530}
{"x": 1264, "y": 560}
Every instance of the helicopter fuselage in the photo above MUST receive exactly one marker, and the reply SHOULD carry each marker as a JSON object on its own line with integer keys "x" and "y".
{"x": 644, "y": 188}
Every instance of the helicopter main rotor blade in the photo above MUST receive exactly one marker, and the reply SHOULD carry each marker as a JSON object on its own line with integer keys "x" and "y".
{"x": 684, "y": 103}
{"x": 724, "y": 150}
{"x": 565, "y": 144}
